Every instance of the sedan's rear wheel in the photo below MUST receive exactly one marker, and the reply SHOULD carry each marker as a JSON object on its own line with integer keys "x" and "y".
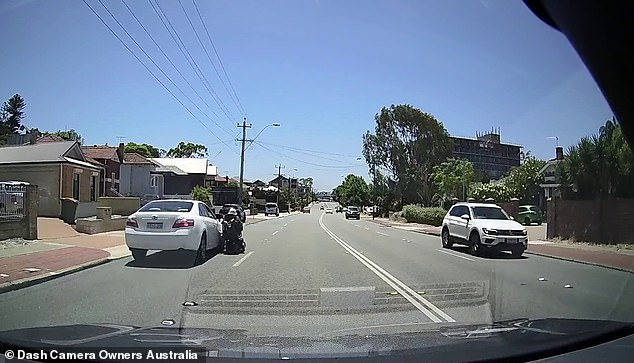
{"x": 446, "y": 239}
{"x": 138, "y": 253}
{"x": 201, "y": 255}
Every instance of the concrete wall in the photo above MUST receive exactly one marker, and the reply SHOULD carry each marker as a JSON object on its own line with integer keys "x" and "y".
{"x": 103, "y": 222}
{"x": 45, "y": 176}
{"x": 86, "y": 209}
{"x": 599, "y": 221}
{"x": 121, "y": 205}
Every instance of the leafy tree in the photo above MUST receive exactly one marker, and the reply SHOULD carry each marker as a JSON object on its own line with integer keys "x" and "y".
{"x": 11, "y": 115}
{"x": 68, "y": 135}
{"x": 352, "y": 191}
{"x": 145, "y": 150}
{"x": 598, "y": 166}
{"x": 452, "y": 178}
{"x": 500, "y": 192}
{"x": 187, "y": 150}
{"x": 408, "y": 143}
{"x": 382, "y": 194}
{"x": 524, "y": 180}
{"x": 202, "y": 194}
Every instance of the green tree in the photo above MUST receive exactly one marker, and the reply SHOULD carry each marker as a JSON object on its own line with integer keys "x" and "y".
{"x": 598, "y": 166}
{"x": 11, "y": 115}
{"x": 524, "y": 180}
{"x": 187, "y": 150}
{"x": 68, "y": 135}
{"x": 202, "y": 194}
{"x": 352, "y": 191}
{"x": 382, "y": 194}
{"x": 452, "y": 179}
{"x": 408, "y": 143}
{"x": 500, "y": 192}
{"x": 146, "y": 150}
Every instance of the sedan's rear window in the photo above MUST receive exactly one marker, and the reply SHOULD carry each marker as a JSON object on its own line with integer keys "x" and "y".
{"x": 167, "y": 206}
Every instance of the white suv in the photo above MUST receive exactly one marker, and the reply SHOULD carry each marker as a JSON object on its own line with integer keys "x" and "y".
{"x": 483, "y": 227}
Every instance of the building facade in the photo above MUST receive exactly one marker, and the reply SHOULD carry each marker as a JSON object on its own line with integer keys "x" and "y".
{"x": 490, "y": 157}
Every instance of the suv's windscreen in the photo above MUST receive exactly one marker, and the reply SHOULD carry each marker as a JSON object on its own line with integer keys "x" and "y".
{"x": 167, "y": 206}
{"x": 488, "y": 213}
{"x": 353, "y": 209}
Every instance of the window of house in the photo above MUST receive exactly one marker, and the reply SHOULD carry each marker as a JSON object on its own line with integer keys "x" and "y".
{"x": 93, "y": 188}
{"x": 153, "y": 181}
{"x": 76, "y": 177}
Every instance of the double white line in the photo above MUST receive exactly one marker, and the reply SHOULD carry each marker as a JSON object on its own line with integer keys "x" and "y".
{"x": 430, "y": 310}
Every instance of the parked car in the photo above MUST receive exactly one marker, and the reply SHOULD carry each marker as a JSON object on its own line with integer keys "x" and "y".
{"x": 172, "y": 225}
{"x": 483, "y": 227}
{"x": 241, "y": 213}
{"x": 353, "y": 212}
{"x": 339, "y": 209}
{"x": 306, "y": 210}
{"x": 329, "y": 210}
{"x": 527, "y": 214}
{"x": 271, "y": 208}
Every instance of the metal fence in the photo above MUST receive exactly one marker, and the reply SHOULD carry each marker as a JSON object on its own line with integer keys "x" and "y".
{"x": 12, "y": 202}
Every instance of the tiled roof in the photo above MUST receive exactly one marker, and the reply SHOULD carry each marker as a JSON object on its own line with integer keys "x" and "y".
{"x": 134, "y": 158}
{"x": 100, "y": 152}
{"x": 50, "y": 138}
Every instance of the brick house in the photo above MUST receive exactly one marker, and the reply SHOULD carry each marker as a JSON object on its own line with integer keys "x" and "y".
{"x": 110, "y": 158}
{"x": 59, "y": 169}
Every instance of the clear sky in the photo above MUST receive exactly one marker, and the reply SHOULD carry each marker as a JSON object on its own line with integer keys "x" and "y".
{"x": 320, "y": 68}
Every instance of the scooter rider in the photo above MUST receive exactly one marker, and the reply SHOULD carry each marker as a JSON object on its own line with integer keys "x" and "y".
{"x": 232, "y": 232}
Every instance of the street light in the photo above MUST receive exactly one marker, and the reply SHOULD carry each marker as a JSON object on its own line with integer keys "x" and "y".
{"x": 265, "y": 127}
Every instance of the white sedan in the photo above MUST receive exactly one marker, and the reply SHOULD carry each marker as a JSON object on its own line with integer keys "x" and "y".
{"x": 173, "y": 224}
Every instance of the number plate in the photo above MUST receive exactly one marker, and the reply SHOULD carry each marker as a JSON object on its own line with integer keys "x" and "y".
{"x": 155, "y": 225}
{"x": 511, "y": 240}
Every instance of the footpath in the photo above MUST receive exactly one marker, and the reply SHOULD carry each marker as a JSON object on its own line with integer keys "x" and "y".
{"x": 605, "y": 256}
{"x": 60, "y": 250}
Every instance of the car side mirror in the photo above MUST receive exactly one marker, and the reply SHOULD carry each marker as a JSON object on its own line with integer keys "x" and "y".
{"x": 465, "y": 217}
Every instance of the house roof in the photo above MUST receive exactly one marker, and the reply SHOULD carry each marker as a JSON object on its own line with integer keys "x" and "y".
{"x": 36, "y": 153}
{"x": 50, "y": 138}
{"x": 549, "y": 163}
{"x": 185, "y": 165}
{"x": 135, "y": 158}
{"x": 100, "y": 152}
{"x": 212, "y": 170}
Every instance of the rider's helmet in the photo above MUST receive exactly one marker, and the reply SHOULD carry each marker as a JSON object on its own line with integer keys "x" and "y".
{"x": 232, "y": 213}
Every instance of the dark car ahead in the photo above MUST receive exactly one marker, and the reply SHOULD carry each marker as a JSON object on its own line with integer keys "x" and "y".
{"x": 225, "y": 209}
{"x": 353, "y": 212}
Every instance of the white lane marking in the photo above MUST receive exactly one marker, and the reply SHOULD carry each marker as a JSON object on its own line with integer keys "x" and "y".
{"x": 292, "y": 220}
{"x": 404, "y": 290}
{"x": 242, "y": 259}
{"x": 381, "y": 233}
{"x": 456, "y": 255}
{"x": 366, "y": 228}
{"x": 274, "y": 233}
{"x": 285, "y": 224}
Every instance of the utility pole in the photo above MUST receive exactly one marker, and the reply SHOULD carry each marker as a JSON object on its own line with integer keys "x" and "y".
{"x": 279, "y": 174}
{"x": 374, "y": 190}
{"x": 244, "y": 127}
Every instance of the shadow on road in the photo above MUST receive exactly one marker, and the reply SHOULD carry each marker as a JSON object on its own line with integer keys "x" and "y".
{"x": 180, "y": 259}
{"x": 498, "y": 255}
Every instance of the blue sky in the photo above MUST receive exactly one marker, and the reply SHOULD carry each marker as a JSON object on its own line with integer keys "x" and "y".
{"x": 321, "y": 68}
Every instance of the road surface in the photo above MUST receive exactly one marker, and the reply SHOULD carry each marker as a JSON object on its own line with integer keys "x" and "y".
{"x": 321, "y": 275}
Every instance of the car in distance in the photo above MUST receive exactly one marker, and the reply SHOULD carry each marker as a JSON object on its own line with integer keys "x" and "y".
{"x": 321, "y": 207}
{"x": 353, "y": 212}
{"x": 306, "y": 210}
{"x": 271, "y": 208}
{"x": 173, "y": 224}
{"x": 329, "y": 210}
{"x": 227, "y": 207}
{"x": 483, "y": 227}
{"x": 527, "y": 214}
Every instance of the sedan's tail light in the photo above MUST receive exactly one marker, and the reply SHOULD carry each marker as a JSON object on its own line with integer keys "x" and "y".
{"x": 131, "y": 222}
{"x": 183, "y": 223}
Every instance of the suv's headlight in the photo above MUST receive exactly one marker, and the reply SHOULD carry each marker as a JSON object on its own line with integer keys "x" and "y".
{"x": 524, "y": 232}
{"x": 489, "y": 231}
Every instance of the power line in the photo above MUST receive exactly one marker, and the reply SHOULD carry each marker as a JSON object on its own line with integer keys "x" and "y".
{"x": 308, "y": 153}
{"x": 307, "y": 162}
{"x": 219, "y": 59}
{"x": 307, "y": 150}
{"x": 176, "y": 69}
{"x": 208, "y": 56}
{"x": 192, "y": 62}
{"x": 148, "y": 69}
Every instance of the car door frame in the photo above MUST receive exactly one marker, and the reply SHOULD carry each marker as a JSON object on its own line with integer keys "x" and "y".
{"x": 462, "y": 225}
{"x": 214, "y": 224}
{"x": 452, "y": 221}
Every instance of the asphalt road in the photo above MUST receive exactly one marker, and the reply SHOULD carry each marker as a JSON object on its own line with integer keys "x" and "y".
{"x": 315, "y": 274}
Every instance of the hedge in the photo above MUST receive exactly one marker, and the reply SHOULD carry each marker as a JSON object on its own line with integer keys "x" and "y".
{"x": 417, "y": 214}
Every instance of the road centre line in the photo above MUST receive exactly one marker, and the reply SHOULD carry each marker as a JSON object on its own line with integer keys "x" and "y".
{"x": 456, "y": 255}
{"x": 242, "y": 259}
{"x": 274, "y": 233}
{"x": 404, "y": 290}
{"x": 285, "y": 224}
{"x": 383, "y": 234}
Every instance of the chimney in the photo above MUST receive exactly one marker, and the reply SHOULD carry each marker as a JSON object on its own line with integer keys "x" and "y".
{"x": 120, "y": 151}
{"x": 559, "y": 153}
